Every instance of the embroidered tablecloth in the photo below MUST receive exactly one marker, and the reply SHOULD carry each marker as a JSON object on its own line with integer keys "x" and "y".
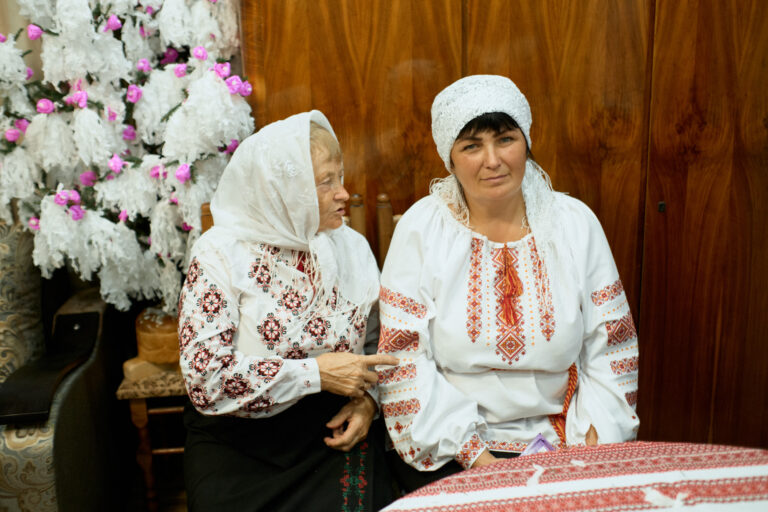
{"x": 625, "y": 476}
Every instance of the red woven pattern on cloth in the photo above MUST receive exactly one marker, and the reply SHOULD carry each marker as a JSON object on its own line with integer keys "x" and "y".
{"x": 600, "y": 462}
{"x": 401, "y": 302}
{"x": 608, "y": 293}
{"x": 475, "y": 291}
{"x": 732, "y": 490}
{"x": 395, "y": 340}
{"x": 401, "y": 408}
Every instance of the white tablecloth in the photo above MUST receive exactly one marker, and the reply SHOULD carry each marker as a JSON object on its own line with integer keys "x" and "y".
{"x": 626, "y": 476}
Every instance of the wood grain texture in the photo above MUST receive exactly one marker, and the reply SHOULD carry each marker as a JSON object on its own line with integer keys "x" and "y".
{"x": 584, "y": 67}
{"x": 372, "y": 67}
{"x": 705, "y": 279}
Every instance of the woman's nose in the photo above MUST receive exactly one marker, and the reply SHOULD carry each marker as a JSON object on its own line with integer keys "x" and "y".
{"x": 492, "y": 159}
{"x": 342, "y": 194}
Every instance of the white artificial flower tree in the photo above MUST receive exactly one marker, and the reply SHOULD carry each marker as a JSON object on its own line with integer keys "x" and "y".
{"x": 111, "y": 154}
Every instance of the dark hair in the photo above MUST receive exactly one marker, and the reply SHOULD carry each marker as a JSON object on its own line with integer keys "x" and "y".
{"x": 495, "y": 122}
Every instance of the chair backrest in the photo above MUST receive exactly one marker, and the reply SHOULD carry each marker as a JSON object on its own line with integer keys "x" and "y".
{"x": 385, "y": 225}
{"x": 206, "y": 217}
{"x": 355, "y": 220}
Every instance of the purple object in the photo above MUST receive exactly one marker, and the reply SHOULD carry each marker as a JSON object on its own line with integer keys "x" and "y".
{"x": 538, "y": 445}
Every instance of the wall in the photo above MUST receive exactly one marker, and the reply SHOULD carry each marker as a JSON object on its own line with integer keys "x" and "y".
{"x": 635, "y": 102}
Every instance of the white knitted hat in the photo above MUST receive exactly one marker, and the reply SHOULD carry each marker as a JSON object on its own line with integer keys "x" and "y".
{"x": 472, "y": 96}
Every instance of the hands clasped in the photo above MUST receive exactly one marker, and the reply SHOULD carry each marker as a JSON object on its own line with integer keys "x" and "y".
{"x": 347, "y": 374}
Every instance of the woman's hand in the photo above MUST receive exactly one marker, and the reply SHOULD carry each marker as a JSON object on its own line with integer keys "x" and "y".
{"x": 484, "y": 459}
{"x": 351, "y": 423}
{"x": 347, "y": 374}
{"x": 591, "y": 438}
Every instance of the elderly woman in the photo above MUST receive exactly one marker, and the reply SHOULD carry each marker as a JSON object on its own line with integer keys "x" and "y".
{"x": 502, "y": 301}
{"x": 272, "y": 327}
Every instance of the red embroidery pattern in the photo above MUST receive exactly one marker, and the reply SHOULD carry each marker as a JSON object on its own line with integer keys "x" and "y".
{"x": 627, "y": 365}
{"x": 608, "y": 293}
{"x": 400, "y": 301}
{"x": 397, "y": 374}
{"x": 427, "y": 462}
{"x": 621, "y": 330}
{"x": 543, "y": 293}
{"x": 401, "y": 408}
{"x": 602, "y": 462}
{"x": 510, "y": 341}
{"x": 395, "y": 340}
{"x": 474, "y": 291}
{"x": 505, "y": 446}
{"x": 470, "y": 450}
{"x": 558, "y": 420}
{"x": 631, "y": 397}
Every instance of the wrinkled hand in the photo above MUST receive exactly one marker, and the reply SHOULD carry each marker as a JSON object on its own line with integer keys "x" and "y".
{"x": 591, "y": 438}
{"x": 347, "y": 374}
{"x": 351, "y": 423}
{"x": 484, "y": 459}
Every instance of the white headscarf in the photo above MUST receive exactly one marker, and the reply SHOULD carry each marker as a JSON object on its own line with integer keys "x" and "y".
{"x": 460, "y": 103}
{"x": 267, "y": 194}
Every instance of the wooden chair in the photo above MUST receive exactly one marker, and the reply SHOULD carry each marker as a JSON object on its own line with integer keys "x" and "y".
{"x": 385, "y": 225}
{"x": 355, "y": 220}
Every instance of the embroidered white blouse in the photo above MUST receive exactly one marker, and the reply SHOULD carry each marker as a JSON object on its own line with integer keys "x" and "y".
{"x": 468, "y": 379}
{"x": 247, "y": 346}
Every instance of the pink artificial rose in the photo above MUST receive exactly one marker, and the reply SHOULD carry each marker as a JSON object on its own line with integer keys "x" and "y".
{"x": 150, "y": 10}
{"x": 157, "y": 170}
{"x": 129, "y": 133}
{"x": 76, "y": 212}
{"x": 21, "y": 124}
{"x": 116, "y": 164}
{"x": 233, "y": 84}
{"x": 80, "y": 98}
{"x": 142, "y": 32}
{"x": 134, "y": 93}
{"x": 111, "y": 114}
{"x": 45, "y": 106}
{"x": 186, "y": 227}
{"x": 88, "y": 178}
{"x": 223, "y": 69}
{"x": 143, "y": 65}
{"x": 123, "y": 215}
{"x": 246, "y": 89}
{"x": 232, "y": 146}
{"x": 12, "y": 134}
{"x": 183, "y": 173}
{"x": 199, "y": 53}
{"x": 180, "y": 70}
{"x": 34, "y": 32}
{"x": 61, "y": 198}
{"x": 173, "y": 199}
{"x": 74, "y": 196}
{"x": 113, "y": 23}
{"x": 30, "y": 73}
{"x": 2, "y": 40}
{"x": 34, "y": 223}
{"x": 170, "y": 56}
{"x": 213, "y": 1}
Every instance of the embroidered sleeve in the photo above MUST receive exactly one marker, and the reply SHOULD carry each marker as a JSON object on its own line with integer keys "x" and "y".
{"x": 220, "y": 379}
{"x": 609, "y": 359}
{"x": 428, "y": 420}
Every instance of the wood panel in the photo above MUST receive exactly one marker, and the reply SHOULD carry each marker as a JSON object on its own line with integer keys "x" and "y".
{"x": 372, "y": 67}
{"x": 704, "y": 277}
{"x": 584, "y": 67}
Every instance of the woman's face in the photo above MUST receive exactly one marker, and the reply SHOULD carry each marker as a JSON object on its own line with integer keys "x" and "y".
{"x": 331, "y": 194}
{"x": 490, "y": 166}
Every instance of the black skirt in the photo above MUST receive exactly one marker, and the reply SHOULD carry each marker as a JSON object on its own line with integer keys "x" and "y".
{"x": 281, "y": 463}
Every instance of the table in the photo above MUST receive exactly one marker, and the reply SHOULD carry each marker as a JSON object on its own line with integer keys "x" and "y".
{"x": 624, "y": 476}
{"x": 161, "y": 384}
